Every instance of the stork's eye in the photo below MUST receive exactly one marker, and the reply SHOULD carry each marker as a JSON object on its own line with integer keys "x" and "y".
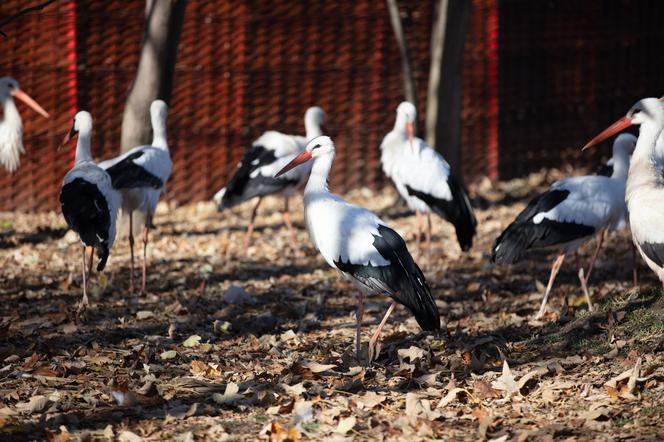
{"x": 316, "y": 146}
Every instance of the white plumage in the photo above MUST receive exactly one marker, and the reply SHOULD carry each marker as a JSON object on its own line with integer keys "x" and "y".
{"x": 141, "y": 175}
{"x": 88, "y": 200}
{"x": 360, "y": 245}
{"x": 645, "y": 182}
{"x": 424, "y": 179}
{"x": 572, "y": 212}
{"x": 255, "y": 174}
{"x": 11, "y": 127}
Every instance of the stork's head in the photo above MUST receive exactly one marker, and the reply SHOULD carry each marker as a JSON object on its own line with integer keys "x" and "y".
{"x": 316, "y": 147}
{"x": 407, "y": 114}
{"x": 10, "y": 88}
{"x": 645, "y": 111}
{"x": 316, "y": 115}
{"x": 159, "y": 110}
{"x": 82, "y": 123}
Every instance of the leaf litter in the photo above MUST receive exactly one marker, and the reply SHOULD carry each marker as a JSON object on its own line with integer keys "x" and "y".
{"x": 225, "y": 345}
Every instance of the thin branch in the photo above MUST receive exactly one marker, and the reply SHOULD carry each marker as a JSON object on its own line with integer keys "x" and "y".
{"x": 408, "y": 83}
{"x": 9, "y": 19}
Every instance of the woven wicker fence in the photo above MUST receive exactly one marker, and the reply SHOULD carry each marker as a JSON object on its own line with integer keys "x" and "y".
{"x": 539, "y": 78}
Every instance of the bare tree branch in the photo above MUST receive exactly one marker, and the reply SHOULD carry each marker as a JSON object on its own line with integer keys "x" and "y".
{"x": 408, "y": 83}
{"x": 9, "y": 19}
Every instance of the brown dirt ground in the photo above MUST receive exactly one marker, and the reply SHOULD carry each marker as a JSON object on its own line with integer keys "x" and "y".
{"x": 273, "y": 358}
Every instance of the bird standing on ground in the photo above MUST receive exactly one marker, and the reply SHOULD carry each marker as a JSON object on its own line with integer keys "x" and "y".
{"x": 361, "y": 246}
{"x": 255, "y": 178}
{"x": 645, "y": 182}
{"x": 425, "y": 180}
{"x": 88, "y": 201}
{"x": 11, "y": 127}
{"x": 569, "y": 215}
{"x": 141, "y": 175}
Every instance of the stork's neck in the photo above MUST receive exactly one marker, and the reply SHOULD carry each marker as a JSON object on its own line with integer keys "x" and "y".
{"x": 400, "y": 125}
{"x": 159, "y": 132}
{"x": 83, "y": 149}
{"x": 620, "y": 164}
{"x": 311, "y": 127}
{"x": 319, "y": 174}
{"x": 642, "y": 172}
{"x": 11, "y": 112}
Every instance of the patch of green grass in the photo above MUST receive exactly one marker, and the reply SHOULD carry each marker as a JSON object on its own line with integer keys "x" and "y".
{"x": 261, "y": 418}
{"x": 595, "y": 345}
{"x": 621, "y": 420}
{"x": 311, "y": 427}
{"x": 6, "y": 225}
{"x": 653, "y": 411}
{"x": 644, "y": 324}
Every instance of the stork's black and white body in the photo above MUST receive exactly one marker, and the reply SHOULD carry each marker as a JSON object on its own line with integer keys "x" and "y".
{"x": 645, "y": 182}
{"x": 361, "y": 246}
{"x": 141, "y": 174}
{"x": 11, "y": 127}
{"x": 425, "y": 180}
{"x": 255, "y": 175}
{"x": 88, "y": 200}
{"x": 568, "y": 215}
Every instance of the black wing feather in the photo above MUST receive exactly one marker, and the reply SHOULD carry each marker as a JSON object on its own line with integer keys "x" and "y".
{"x": 86, "y": 212}
{"x": 126, "y": 174}
{"x": 523, "y": 234}
{"x": 402, "y": 279}
{"x": 458, "y": 211}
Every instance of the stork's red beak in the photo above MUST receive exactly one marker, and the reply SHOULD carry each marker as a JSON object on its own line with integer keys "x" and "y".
{"x": 410, "y": 130}
{"x": 68, "y": 137}
{"x": 301, "y": 158}
{"x": 616, "y": 127}
{"x": 30, "y": 102}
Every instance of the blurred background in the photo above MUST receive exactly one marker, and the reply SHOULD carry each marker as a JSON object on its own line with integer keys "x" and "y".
{"x": 534, "y": 79}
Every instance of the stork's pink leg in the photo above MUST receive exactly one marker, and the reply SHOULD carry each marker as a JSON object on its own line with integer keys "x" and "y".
{"x": 584, "y": 279}
{"x": 358, "y": 323}
{"x": 84, "y": 302}
{"x": 374, "y": 338}
{"x": 250, "y": 227}
{"x": 131, "y": 250}
{"x": 92, "y": 256}
{"x": 146, "y": 231}
{"x": 594, "y": 257}
{"x": 288, "y": 222}
{"x": 554, "y": 271}
{"x": 418, "y": 225}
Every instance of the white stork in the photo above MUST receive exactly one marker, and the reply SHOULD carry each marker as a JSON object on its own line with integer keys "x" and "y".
{"x": 141, "y": 174}
{"x": 425, "y": 180}
{"x": 255, "y": 173}
{"x": 568, "y": 215}
{"x": 11, "y": 128}
{"x": 645, "y": 188}
{"x": 361, "y": 246}
{"x": 88, "y": 201}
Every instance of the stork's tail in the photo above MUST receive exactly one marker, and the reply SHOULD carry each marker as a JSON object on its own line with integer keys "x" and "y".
{"x": 463, "y": 217}
{"x": 102, "y": 252}
{"x": 511, "y": 244}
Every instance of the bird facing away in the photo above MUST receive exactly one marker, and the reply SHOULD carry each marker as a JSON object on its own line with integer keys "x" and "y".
{"x": 88, "y": 201}
{"x": 255, "y": 175}
{"x": 11, "y": 127}
{"x": 645, "y": 181}
{"x": 425, "y": 180}
{"x": 572, "y": 212}
{"x": 361, "y": 246}
{"x": 140, "y": 175}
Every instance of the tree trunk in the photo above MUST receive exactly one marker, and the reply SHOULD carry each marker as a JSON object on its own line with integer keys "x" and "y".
{"x": 154, "y": 76}
{"x": 408, "y": 83}
{"x": 443, "y": 116}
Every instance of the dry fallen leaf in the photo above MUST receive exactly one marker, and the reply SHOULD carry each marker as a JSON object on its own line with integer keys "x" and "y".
{"x": 192, "y": 341}
{"x": 345, "y": 425}
{"x": 315, "y": 367}
{"x": 506, "y": 381}
{"x": 169, "y": 354}
{"x": 230, "y": 395}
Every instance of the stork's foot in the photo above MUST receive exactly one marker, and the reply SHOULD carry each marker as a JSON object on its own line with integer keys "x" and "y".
{"x": 82, "y": 308}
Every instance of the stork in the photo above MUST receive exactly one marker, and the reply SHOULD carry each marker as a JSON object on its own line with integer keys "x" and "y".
{"x": 141, "y": 174}
{"x": 11, "y": 128}
{"x": 363, "y": 248}
{"x": 88, "y": 201}
{"x": 255, "y": 175}
{"x": 645, "y": 187}
{"x": 425, "y": 180}
{"x": 572, "y": 212}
